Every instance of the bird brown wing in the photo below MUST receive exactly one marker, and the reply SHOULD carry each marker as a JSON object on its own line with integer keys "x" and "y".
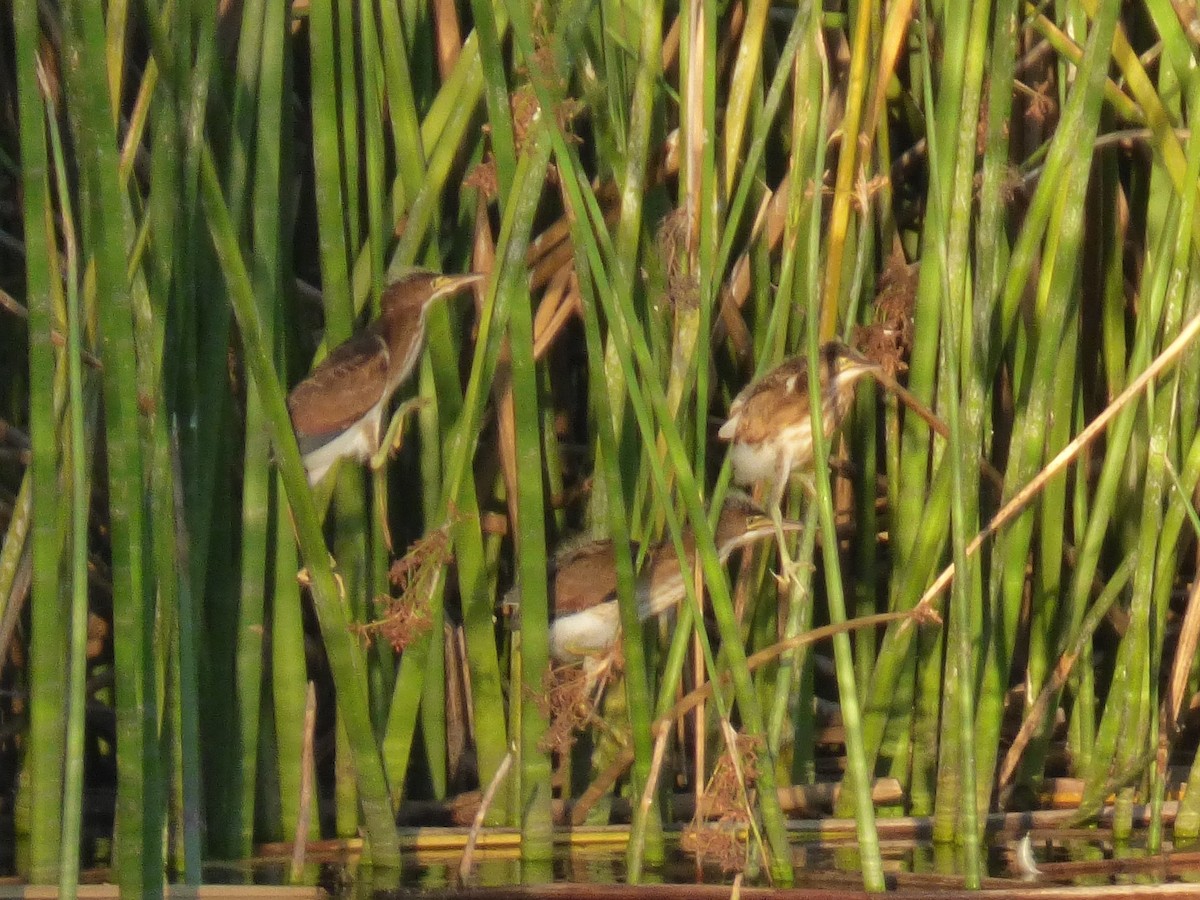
{"x": 342, "y": 389}
{"x": 583, "y": 576}
{"x": 773, "y": 402}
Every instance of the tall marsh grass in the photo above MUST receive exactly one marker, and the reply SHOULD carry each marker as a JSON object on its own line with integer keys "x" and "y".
{"x": 197, "y": 201}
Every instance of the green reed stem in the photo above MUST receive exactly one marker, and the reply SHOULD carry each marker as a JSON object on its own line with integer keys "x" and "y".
{"x": 1126, "y": 710}
{"x": 857, "y": 770}
{"x": 139, "y": 800}
{"x": 45, "y": 790}
{"x": 966, "y": 604}
{"x": 530, "y": 550}
{"x": 73, "y": 457}
{"x": 638, "y": 698}
{"x": 346, "y": 658}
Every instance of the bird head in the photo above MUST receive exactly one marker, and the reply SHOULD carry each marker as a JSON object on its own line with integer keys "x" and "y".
{"x": 411, "y": 295}
{"x": 842, "y": 365}
{"x": 742, "y": 522}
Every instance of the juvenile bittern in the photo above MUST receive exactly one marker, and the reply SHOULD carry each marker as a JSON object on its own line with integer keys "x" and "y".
{"x": 585, "y": 622}
{"x": 583, "y": 607}
{"x": 770, "y": 422}
{"x": 337, "y": 411}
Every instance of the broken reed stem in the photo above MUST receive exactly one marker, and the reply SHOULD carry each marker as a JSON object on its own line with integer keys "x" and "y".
{"x": 464, "y": 865}
{"x": 1023, "y": 497}
{"x": 931, "y": 419}
{"x": 694, "y": 698}
{"x": 638, "y": 833}
{"x": 304, "y": 816}
{"x": 739, "y": 771}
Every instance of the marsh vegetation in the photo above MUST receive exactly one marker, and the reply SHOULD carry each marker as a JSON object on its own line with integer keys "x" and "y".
{"x": 995, "y": 202}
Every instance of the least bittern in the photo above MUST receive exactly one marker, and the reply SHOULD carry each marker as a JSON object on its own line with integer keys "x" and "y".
{"x": 770, "y": 422}
{"x": 337, "y": 411}
{"x": 585, "y": 622}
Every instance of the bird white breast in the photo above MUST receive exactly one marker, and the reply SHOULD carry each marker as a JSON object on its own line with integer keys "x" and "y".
{"x": 752, "y": 462}
{"x": 759, "y": 462}
{"x": 589, "y": 632}
{"x": 359, "y": 441}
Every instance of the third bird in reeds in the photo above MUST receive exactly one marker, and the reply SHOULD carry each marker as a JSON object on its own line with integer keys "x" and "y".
{"x": 770, "y": 423}
{"x": 337, "y": 411}
{"x": 585, "y": 621}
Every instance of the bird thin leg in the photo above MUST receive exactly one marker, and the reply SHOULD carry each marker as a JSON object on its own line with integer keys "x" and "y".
{"x": 595, "y": 670}
{"x": 787, "y": 565}
{"x": 393, "y": 438}
{"x": 379, "y": 486}
{"x": 775, "y": 509}
{"x": 304, "y": 577}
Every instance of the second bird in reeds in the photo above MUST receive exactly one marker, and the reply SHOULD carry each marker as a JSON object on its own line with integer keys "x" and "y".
{"x": 770, "y": 425}
{"x": 769, "y": 428}
{"x": 585, "y": 620}
{"x": 337, "y": 411}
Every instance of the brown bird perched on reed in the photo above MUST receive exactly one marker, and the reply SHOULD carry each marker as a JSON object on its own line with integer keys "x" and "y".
{"x": 337, "y": 411}
{"x": 769, "y": 428}
{"x": 585, "y": 621}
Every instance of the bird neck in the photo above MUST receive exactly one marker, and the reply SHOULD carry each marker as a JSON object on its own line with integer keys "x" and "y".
{"x": 404, "y": 330}
{"x": 839, "y": 394}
